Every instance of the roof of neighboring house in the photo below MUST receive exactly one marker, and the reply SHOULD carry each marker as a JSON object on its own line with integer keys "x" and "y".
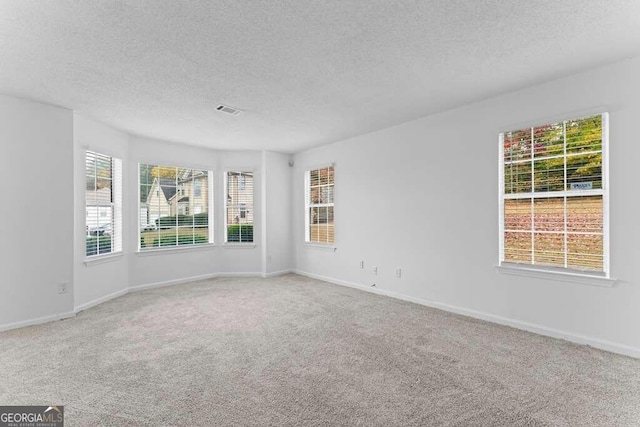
{"x": 168, "y": 187}
{"x": 197, "y": 175}
{"x": 184, "y": 199}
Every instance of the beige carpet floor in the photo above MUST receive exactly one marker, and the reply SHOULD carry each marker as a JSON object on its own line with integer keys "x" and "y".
{"x": 296, "y": 351}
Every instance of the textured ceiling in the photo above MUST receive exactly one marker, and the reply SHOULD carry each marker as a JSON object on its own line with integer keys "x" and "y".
{"x": 304, "y": 72}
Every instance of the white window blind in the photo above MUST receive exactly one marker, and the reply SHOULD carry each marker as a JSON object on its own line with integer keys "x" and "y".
{"x": 239, "y": 207}
{"x": 103, "y": 204}
{"x": 174, "y": 206}
{"x": 554, "y": 195}
{"x": 319, "y": 205}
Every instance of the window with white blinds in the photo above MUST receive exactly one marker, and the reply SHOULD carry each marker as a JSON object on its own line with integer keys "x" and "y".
{"x": 554, "y": 195}
{"x": 238, "y": 207}
{"x": 103, "y": 204}
{"x": 319, "y": 204}
{"x": 175, "y": 206}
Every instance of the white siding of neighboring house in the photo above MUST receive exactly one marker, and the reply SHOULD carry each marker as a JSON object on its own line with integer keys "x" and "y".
{"x": 99, "y": 210}
{"x": 197, "y": 203}
{"x": 157, "y": 203}
{"x": 240, "y": 197}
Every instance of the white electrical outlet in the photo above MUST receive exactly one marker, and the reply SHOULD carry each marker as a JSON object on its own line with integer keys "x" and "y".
{"x": 361, "y": 264}
{"x": 374, "y": 270}
{"x": 398, "y": 273}
{"x": 63, "y": 287}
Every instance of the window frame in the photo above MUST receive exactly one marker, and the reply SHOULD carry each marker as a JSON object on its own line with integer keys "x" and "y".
{"x": 247, "y": 208}
{"x": 568, "y": 274}
{"x": 115, "y": 206}
{"x": 210, "y": 211}
{"x": 308, "y": 205}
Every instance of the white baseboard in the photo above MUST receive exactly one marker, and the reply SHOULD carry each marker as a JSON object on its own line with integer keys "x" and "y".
{"x": 173, "y": 282}
{"x": 38, "y": 321}
{"x": 277, "y": 273}
{"x": 197, "y": 278}
{"x": 526, "y": 326}
{"x": 240, "y": 274}
{"x": 100, "y": 300}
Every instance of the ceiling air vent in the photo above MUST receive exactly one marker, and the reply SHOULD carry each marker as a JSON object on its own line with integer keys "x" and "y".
{"x": 228, "y": 110}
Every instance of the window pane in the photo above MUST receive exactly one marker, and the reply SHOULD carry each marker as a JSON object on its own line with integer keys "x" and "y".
{"x": 323, "y": 176}
{"x": 549, "y": 174}
{"x": 517, "y": 214}
{"x": 145, "y": 174}
{"x": 585, "y": 214}
{"x": 585, "y": 169}
{"x": 517, "y": 145}
{"x": 315, "y": 215}
{"x": 584, "y": 135}
{"x": 200, "y": 235}
{"x": 184, "y": 175}
{"x": 548, "y": 214}
{"x": 314, "y": 178}
{"x": 90, "y": 165}
{"x": 517, "y": 247}
{"x": 90, "y": 185}
{"x": 103, "y": 166}
{"x": 517, "y": 178}
{"x": 548, "y": 140}
{"x": 330, "y": 175}
{"x": 185, "y": 221}
{"x": 185, "y": 237}
{"x": 164, "y": 172}
{"x": 326, "y": 194}
{"x": 585, "y": 252}
{"x": 549, "y": 249}
{"x": 144, "y": 193}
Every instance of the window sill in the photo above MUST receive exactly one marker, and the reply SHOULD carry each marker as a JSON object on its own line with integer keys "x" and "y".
{"x": 564, "y": 276}
{"x": 102, "y": 259}
{"x": 175, "y": 249}
{"x": 232, "y": 245}
{"x": 321, "y": 246}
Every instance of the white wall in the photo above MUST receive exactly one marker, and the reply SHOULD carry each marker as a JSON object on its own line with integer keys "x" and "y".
{"x": 279, "y": 251}
{"x": 423, "y": 196}
{"x": 36, "y": 219}
{"x": 95, "y": 281}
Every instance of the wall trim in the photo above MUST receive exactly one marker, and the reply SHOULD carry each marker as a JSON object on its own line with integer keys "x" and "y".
{"x": 526, "y": 326}
{"x": 100, "y": 300}
{"x": 277, "y": 273}
{"x": 37, "y": 321}
{"x": 192, "y": 279}
{"x": 240, "y": 274}
{"x": 172, "y": 282}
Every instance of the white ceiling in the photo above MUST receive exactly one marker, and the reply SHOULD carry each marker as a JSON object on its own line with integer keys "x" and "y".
{"x": 305, "y": 72}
